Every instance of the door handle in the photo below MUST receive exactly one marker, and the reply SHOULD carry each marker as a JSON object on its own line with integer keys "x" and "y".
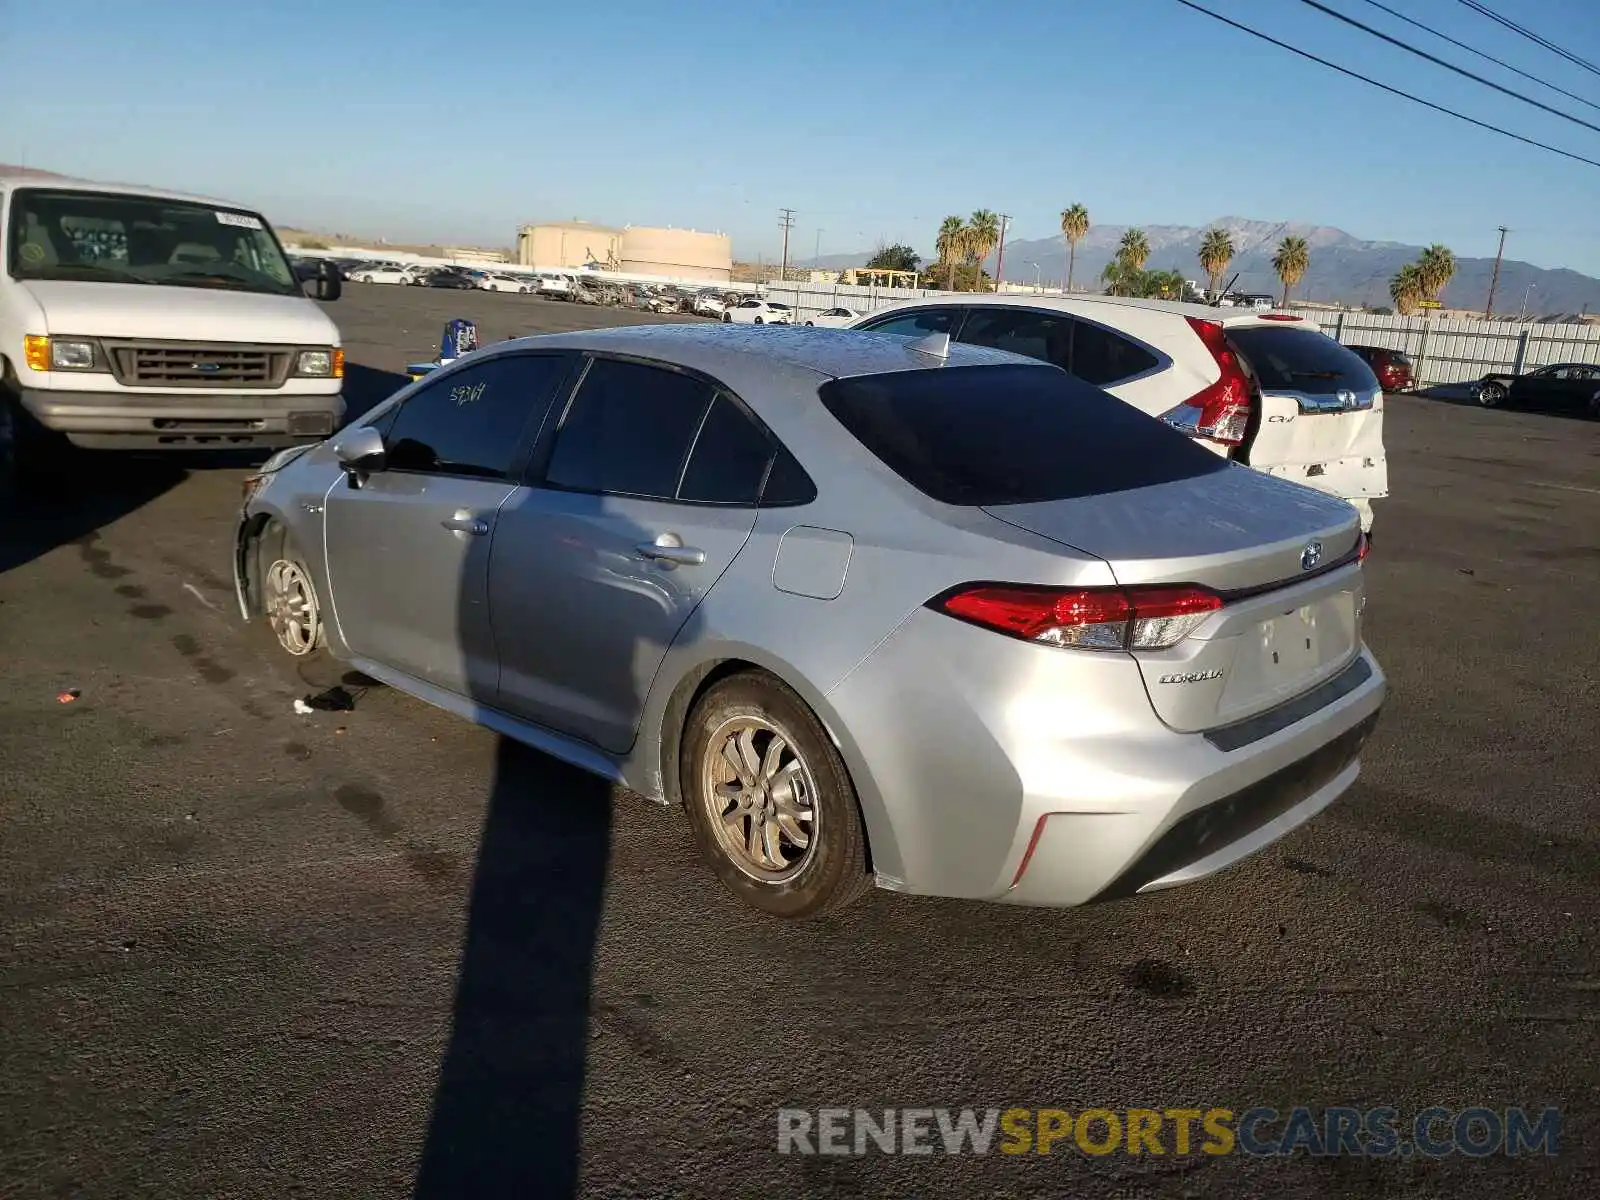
{"x": 465, "y": 523}
{"x": 673, "y": 551}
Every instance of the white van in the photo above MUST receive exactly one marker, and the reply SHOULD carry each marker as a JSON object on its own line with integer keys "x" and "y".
{"x": 132, "y": 318}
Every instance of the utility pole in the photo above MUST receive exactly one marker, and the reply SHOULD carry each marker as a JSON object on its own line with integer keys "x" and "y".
{"x": 785, "y": 223}
{"x": 1000, "y": 259}
{"x": 816, "y": 253}
{"x": 1494, "y": 280}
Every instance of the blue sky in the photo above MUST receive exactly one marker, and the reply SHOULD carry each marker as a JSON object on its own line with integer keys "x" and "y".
{"x": 870, "y": 118}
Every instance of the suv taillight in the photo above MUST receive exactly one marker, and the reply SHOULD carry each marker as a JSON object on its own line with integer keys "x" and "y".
{"x": 1132, "y": 618}
{"x": 1221, "y": 411}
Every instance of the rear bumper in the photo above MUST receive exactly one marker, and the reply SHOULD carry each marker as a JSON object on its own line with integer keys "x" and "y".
{"x": 997, "y": 770}
{"x": 164, "y": 421}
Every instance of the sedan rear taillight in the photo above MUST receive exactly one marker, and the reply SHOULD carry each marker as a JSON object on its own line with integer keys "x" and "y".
{"x": 1133, "y": 618}
{"x": 1219, "y": 412}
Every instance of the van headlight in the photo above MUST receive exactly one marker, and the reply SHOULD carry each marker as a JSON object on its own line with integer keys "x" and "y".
{"x": 70, "y": 355}
{"x": 320, "y": 364}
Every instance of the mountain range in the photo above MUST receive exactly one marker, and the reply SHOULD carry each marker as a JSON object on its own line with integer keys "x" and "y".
{"x": 1344, "y": 268}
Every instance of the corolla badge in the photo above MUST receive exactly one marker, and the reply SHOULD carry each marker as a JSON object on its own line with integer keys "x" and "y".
{"x": 1192, "y": 676}
{"x": 1310, "y": 556}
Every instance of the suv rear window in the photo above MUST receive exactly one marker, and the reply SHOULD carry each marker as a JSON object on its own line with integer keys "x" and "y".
{"x": 1301, "y": 360}
{"x": 1010, "y": 434}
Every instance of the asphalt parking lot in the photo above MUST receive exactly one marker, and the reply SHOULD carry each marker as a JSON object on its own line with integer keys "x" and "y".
{"x": 380, "y": 953}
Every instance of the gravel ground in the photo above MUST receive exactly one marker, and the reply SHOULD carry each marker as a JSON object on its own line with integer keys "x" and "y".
{"x": 381, "y": 953}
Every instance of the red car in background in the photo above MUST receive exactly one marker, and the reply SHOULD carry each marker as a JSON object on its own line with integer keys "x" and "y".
{"x": 1393, "y": 368}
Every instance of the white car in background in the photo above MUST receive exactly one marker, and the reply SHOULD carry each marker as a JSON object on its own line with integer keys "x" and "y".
{"x": 710, "y": 304}
{"x": 506, "y": 283}
{"x": 759, "y": 312}
{"x": 555, "y": 286}
{"x": 1266, "y": 389}
{"x": 387, "y": 273}
{"x": 836, "y": 318}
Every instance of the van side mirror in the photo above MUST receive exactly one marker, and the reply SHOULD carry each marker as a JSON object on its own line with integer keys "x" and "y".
{"x": 325, "y": 284}
{"x": 360, "y": 452}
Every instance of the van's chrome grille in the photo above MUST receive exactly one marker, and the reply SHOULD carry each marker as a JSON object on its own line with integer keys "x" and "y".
{"x": 199, "y": 364}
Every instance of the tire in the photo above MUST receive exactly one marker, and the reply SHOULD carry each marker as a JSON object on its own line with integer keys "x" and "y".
{"x": 1491, "y": 395}
{"x": 10, "y": 460}
{"x": 290, "y": 605}
{"x": 727, "y": 318}
{"x": 759, "y": 321}
{"x": 758, "y": 719}
{"x": 810, "y": 322}
{"x": 32, "y": 458}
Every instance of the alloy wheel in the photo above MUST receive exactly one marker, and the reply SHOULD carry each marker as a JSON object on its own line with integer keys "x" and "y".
{"x": 291, "y": 604}
{"x": 760, "y": 798}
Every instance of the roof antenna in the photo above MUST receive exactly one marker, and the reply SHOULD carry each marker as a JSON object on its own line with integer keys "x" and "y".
{"x": 935, "y": 345}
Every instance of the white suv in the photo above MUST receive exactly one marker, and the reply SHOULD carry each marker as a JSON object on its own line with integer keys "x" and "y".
{"x": 1266, "y": 389}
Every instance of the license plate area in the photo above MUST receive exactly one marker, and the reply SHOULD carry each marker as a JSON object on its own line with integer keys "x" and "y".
{"x": 1292, "y": 648}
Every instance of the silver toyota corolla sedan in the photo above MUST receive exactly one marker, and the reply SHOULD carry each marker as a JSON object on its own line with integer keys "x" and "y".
{"x": 872, "y": 610}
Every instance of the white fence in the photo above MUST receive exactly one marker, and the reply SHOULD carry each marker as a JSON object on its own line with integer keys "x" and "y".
{"x": 1459, "y": 351}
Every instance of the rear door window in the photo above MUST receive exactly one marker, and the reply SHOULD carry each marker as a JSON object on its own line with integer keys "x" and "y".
{"x": 1010, "y": 434}
{"x": 919, "y": 322}
{"x": 1104, "y": 358}
{"x": 1042, "y": 335}
{"x": 1300, "y": 360}
{"x": 628, "y": 430}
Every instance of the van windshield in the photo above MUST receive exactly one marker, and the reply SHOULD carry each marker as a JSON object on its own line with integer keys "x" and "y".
{"x": 106, "y": 237}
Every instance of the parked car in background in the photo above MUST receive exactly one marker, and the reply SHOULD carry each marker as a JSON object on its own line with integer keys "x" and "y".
{"x": 1571, "y": 386}
{"x": 836, "y": 318}
{"x": 1266, "y": 389}
{"x": 451, "y": 278}
{"x": 387, "y": 273}
{"x": 1392, "y": 367}
{"x": 506, "y": 283}
{"x": 751, "y": 311}
{"x": 710, "y": 304}
{"x": 944, "y": 640}
{"x": 554, "y": 285}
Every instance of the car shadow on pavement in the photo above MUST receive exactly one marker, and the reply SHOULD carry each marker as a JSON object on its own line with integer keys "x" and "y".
{"x": 85, "y": 493}
{"x": 507, "y": 1107}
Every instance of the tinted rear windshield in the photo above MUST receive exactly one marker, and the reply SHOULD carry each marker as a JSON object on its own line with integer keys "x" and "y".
{"x": 1300, "y": 360}
{"x": 1010, "y": 434}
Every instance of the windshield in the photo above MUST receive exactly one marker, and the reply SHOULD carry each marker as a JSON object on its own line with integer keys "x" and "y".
{"x": 104, "y": 237}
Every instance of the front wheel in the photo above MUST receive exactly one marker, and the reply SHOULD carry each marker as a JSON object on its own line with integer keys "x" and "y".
{"x": 810, "y": 322}
{"x": 759, "y": 321}
{"x": 289, "y": 599}
{"x": 727, "y": 318}
{"x": 1491, "y": 395}
{"x": 770, "y": 800}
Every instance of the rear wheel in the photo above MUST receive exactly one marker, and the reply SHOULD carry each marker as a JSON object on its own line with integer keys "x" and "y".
{"x": 810, "y": 322}
{"x": 1491, "y": 395}
{"x": 727, "y": 318}
{"x": 759, "y": 321}
{"x": 770, "y": 799}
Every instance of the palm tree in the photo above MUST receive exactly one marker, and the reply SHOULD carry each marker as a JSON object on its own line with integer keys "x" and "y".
{"x": 1074, "y": 225}
{"x": 1216, "y": 252}
{"x": 1133, "y": 250}
{"x": 1435, "y": 267}
{"x": 949, "y": 245}
{"x": 984, "y": 233}
{"x": 1405, "y": 289}
{"x": 1291, "y": 262}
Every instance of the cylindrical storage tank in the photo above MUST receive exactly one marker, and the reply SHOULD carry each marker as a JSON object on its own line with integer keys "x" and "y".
{"x": 566, "y": 244}
{"x": 680, "y": 253}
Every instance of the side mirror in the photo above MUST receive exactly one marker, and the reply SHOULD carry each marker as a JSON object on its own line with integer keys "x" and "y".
{"x": 360, "y": 452}
{"x": 325, "y": 284}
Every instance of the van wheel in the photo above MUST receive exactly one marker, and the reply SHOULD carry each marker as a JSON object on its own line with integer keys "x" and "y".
{"x": 31, "y": 456}
{"x": 771, "y": 802}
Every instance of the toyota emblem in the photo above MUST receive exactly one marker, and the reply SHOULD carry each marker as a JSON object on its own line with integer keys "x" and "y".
{"x": 1310, "y": 556}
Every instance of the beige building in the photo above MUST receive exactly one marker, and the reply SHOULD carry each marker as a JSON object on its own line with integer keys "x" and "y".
{"x": 568, "y": 244}
{"x": 638, "y": 249}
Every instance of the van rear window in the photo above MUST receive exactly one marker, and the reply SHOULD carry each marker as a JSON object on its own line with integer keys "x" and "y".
{"x": 1008, "y": 434}
{"x": 1300, "y": 360}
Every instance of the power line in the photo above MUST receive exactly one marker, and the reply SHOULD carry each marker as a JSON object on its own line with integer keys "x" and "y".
{"x": 1448, "y": 66}
{"x": 1499, "y": 62}
{"x": 1393, "y": 91}
{"x": 1484, "y": 10}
